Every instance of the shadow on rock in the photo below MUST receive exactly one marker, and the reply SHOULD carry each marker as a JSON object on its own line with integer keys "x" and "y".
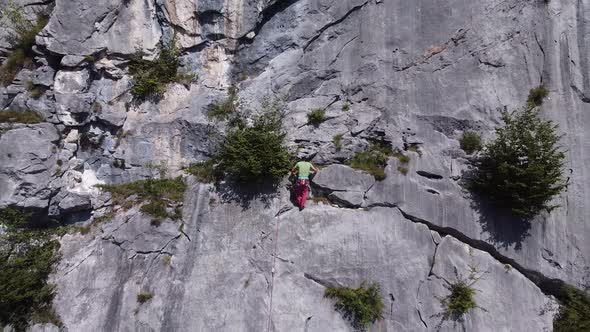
{"x": 504, "y": 228}
{"x": 244, "y": 193}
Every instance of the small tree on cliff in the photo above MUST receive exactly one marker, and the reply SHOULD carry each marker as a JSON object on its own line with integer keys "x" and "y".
{"x": 522, "y": 168}
{"x": 257, "y": 152}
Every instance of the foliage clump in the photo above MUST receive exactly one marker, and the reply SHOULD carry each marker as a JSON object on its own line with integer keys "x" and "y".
{"x": 150, "y": 78}
{"x": 574, "y": 312}
{"x": 28, "y": 117}
{"x": 143, "y": 297}
{"x": 27, "y": 257}
{"x": 21, "y": 39}
{"x": 204, "y": 171}
{"x": 254, "y": 153}
{"x": 373, "y": 160}
{"x": 536, "y": 96}
{"x": 227, "y": 108}
{"x": 316, "y": 116}
{"x": 470, "y": 142}
{"x": 460, "y": 301}
{"x": 337, "y": 140}
{"x": 157, "y": 194}
{"x": 522, "y": 168}
{"x": 362, "y": 306}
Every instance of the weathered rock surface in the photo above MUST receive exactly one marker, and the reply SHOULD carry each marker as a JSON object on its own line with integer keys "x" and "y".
{"x": 415, "y": 74}
{"x": 28, "y": 162}
{"x": 221, "y": 255}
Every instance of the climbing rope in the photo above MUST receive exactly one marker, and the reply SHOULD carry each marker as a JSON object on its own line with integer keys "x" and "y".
{"x": 272, "y": 272}
{"x": 274, "y": 259}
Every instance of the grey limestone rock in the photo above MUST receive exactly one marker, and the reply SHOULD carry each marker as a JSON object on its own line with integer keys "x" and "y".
{"x": 343, "y": 178}
{"x": 415, "y": 74}
{"x": 27, "y": 156}
{"x": 74, "y": 202}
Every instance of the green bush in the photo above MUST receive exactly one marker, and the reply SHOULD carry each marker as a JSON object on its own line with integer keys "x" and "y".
{"x": 574, "y": 312}
{"x": 470, "y": 142}
{"x": 21, "y": 38}
{"x": 316, "y": 116}
{"x": 150, "y": 78}
{"x": 536, "y": 96}
{"x": 254, "y": 153}
{"x": 373, "y": 160}
{"x": 362, "y": 305}
{"x": 460, "y": 301}
{"x": 27, "y": 257}
{"x": 337, "y": 140}
{"x": 228, "y": 108}
{"x": 155, "y": 193}
{"x": 143, "y": 297}
{"x": 28, "y": 117}
{"x": 404, "y": 159}
{"x": 522, "y": 168}
{"x": 346, "y": 107}
{"x": 204, "y": 171}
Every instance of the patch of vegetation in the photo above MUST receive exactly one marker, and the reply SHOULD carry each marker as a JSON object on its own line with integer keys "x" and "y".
{"x": 362, "y": 306}
{"x": 574, "y": 312}
{"x": 167, "y": 260}
{"x": 537, "y": 95}
{"x": 403, "y": 159}
{"x": 227, "y": 108}
{"x": 320, "y": 199}
{"x": 460, "y": 301}
{"x": 156, "y": 209}
{"x": 36, "y": 91}
{"x": 143, "y": 297}
{"x": 316, "y": 116}
{"x": 346, "y": 107}
{"x": 402, "y": 170}
{"x": 258, "y": 152}
{"x": 21, "y": 39}
{"x": 470, "y": 142}
{"x": 156, "y": 194}
{"x": 204, "y": 171}
{"x": 150, "y": 78}
{"x": 415, "y": 148}
{"x": 373, "y": 160}
{"x": 337, "y": 140}
{"x": 27, "y": 257}
{"x": 28, "y": 117}
{"x": 522, "y": 168}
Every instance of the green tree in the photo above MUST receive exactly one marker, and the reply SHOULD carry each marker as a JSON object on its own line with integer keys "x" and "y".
{"x": 522, "y": 168}
{"x": 257, "y": 152}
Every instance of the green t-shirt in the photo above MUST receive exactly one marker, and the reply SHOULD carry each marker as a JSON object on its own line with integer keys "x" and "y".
{"x": 304, "y": 168}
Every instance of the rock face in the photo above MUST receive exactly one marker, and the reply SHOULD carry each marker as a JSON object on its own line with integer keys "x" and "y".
{"x": 413, "y": 74}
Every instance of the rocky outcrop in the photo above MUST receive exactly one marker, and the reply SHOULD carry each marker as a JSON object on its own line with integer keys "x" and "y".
{"x": 220, "y": 254}
{"x": 412, "y": 74}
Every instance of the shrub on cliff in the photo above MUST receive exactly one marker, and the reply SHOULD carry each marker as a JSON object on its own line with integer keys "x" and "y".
{"x": 522, "y": 168}
{"x": 21, "y": 38}
{"x": 574, "y": 312}
{"x": 150, "y": 78}
{"x": 373, "y": 160}
{"x": 257, "y": 152}
{"x": 27, "y": 257}
{"x": 362, "y": 306}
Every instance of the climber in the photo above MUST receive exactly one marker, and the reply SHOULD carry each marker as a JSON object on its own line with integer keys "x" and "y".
{"x": 302, "y": 169}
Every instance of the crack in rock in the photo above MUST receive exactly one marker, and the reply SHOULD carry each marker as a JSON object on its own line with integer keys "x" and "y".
{"x": 549, "y": 286}
{"x": 333, "y": 23}
{"x": 429, "y": 175}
